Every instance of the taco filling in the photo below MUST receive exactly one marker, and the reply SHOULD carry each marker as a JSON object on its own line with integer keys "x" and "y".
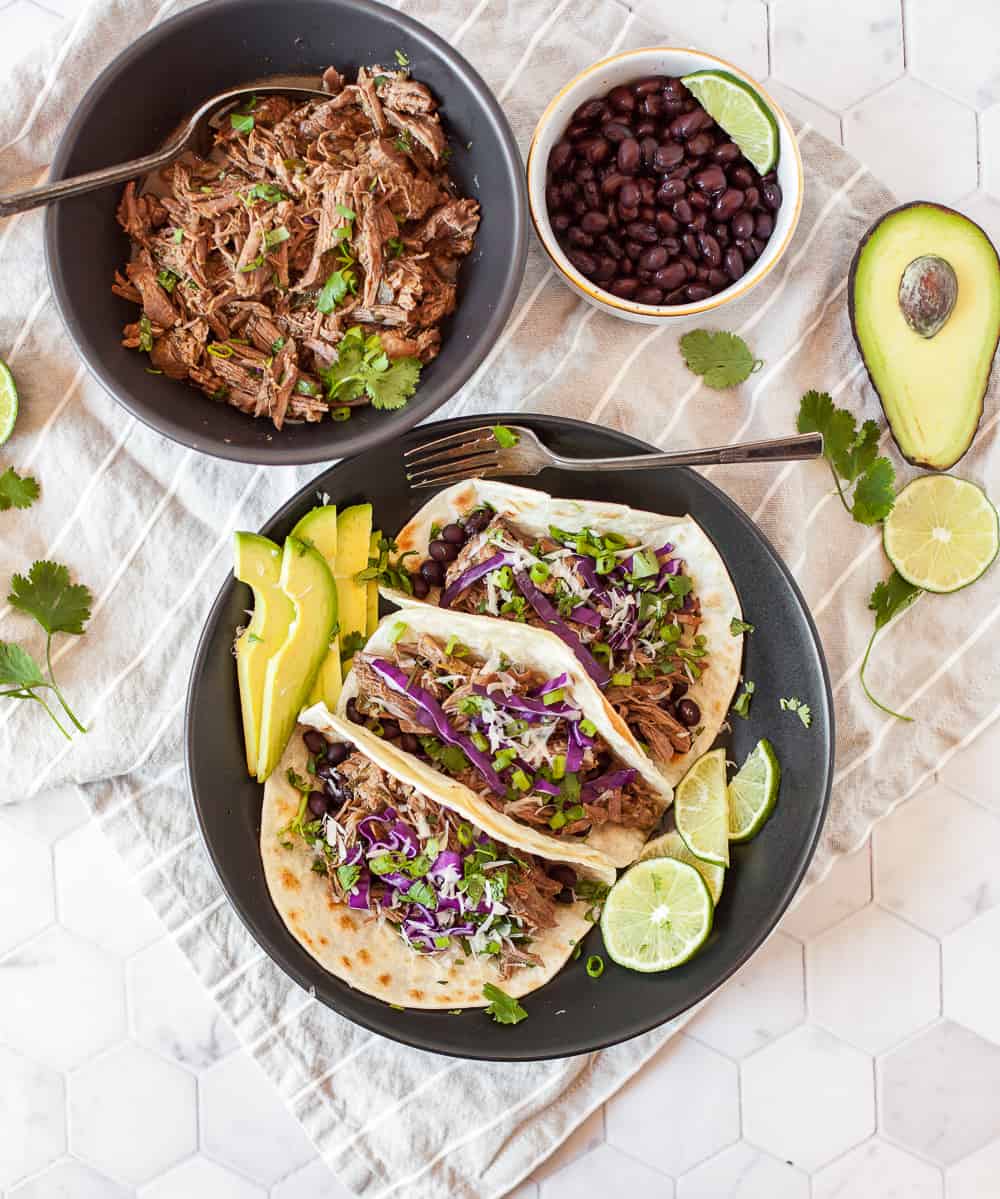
{"x": 443, "y": 885}
{"x": 628, "y": 611}
{"x": 509, "y": 733}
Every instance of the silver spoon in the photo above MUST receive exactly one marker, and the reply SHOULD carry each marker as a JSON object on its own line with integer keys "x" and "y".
{"x": 193, "y": 135}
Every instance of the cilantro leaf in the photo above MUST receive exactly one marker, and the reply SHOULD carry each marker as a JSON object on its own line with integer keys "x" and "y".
{"x": 801, "y": 710}
{"x": 362, "y": 366}
{"x": 390, "y": 389}
{"x": 737, "y": 626}
{"x": 722, "y": 359}
{"x": 335, "y": 289}
{"x": 18, "y": 669}
{"x": 890, "y": 597}
{"x": 851, "y": 454}
{"x": 742, "y": 704}
{"x": 874, "y": 495}
{"x": 350, "y": 645}
{"x": 58, "y": 605}
{"x": 17, "y": 491}
{"x": 504, "y": 437}
{"x": 502, "y": 1007}
{"x": 241, "y": 122}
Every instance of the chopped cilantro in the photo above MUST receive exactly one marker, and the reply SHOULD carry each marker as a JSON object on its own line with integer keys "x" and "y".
{"x": 268, "y": 192}
{"x": 336, "y": 288}
{"x": 350, "y": 645}
{"x": 403, "y": 142}
{"x": 504, "y": 437}
{"x": 502, "y": 1007}
{"x": 722, "y": 359}
{"x": 801, "y": 710}
{"x": 402, "y": 58}
{"x": 241, "y": 122}
{"x": 742, "y": 705}
{"x": 363, "y": 367}
{"x": 737, "y": 626}
{"x": 274, "y": 237}
{"x": 167, "y": 280}
{"x": 145, "y": 334}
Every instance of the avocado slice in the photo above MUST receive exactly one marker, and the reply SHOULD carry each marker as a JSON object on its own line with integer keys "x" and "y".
{"x": 354, "y": 534}
{"x": 318, "y": 528}
{"x": 928, "y": 350}
{"x": 257, "y": 562}
{"x": 306, "y": 580}
{"x": 371, "y": 621}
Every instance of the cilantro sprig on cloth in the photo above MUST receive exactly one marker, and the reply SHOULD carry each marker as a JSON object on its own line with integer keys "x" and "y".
{"x": 890, "y": 597}
{"x": 502, "y": 1007}
{"x": 17, "y": 491}
{"x": 722, "y": 359}
{"x": 363, "y": 367}
{"x": 59, "y": 606}
{"x": 853, "y": 457}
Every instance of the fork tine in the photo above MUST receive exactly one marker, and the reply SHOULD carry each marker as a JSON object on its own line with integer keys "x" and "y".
{"x": 459, "y": 467}
{"x": 484, "y": 434}
{"x": 466, "y": 449}
{"x": 489, "y": 472}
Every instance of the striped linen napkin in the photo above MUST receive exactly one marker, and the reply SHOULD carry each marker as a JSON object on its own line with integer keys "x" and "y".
{"x": 147, "y": 525}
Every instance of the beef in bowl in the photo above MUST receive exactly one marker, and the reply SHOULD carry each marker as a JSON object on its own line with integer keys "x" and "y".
{"x": 302, "y": 269}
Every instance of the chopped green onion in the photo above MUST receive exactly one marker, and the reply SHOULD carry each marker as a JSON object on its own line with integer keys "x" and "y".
{"x": 588, "y": 728}
{"x": 539, "y": 572}
{"x": 399, "y": 629}
{"x": 504, "y": 437}
{"x": 595, "y": 965}
{"x": 558, "y": 768}
{"x": 178, "y": 236}
{"x": 480, "y": 742}
{"x": 305, "y": 388}
{"x": 557, "y": 821}
{"x": 219, "y": 349}
{"x": 340, "y": 414}
{"x": 624, "y": 679}
{"x": 504, "y": 758}
{"x": 402, "y": 59}
{"x": 464, "y": 834}
{"x": 520, "y": 780}
{"x": 554, "y": 697}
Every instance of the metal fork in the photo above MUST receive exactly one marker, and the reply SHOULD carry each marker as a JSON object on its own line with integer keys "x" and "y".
{"x": 476, "y": 454}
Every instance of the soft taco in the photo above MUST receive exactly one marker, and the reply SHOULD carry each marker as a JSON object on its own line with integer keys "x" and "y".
{"x": 396, "y": 884}
{"x": 507, "y": 712}
{"x": 644, "y": 600}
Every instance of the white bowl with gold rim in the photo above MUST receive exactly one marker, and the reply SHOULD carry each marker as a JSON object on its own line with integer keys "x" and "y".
{"x": 597, "y": 81}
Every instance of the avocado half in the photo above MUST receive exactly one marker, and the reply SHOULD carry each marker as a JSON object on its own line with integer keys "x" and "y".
{"x": 931, "y": 387}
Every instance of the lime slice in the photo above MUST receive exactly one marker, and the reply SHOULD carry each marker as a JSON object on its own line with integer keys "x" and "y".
{"x": 737, "y": 108}
{"x": 657, "y": 915}
{"x": 942, "y": 533}
{"x": 8, "y": 402}
{"x": 753, "y": 792}
{"x": 671, "y": 845}
{"x": 701, "y": 808}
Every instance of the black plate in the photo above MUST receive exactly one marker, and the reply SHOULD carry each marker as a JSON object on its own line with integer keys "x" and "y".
{"x": 573, "y": 1013}
{"x": 163, "y": 76}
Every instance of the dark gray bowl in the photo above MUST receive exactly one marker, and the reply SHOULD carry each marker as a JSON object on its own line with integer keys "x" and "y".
{"x": 142, "y": 96}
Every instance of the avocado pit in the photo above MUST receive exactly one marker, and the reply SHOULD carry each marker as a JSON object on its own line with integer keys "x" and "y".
{"x": 928, "y": 290}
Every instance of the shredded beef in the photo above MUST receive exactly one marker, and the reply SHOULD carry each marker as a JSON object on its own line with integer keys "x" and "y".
{"x": 261, "y": 223}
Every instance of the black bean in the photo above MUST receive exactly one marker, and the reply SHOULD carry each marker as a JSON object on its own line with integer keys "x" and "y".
{"x": 729, "y": 203}
{"x": 726, "y": 152}
{"x": 649, "y": 85}
{"x": 553, "y": 196}
{"x": 698, "y": 201}
{"x": 688, "y": 712}
{"x": 758, "y": 245}
{"x": 583, "y": 173}
{"x": 409, "y": 742}
{"x": 578, "y": 130}
{"x": 653, "y": 258}
{"x": 699, "y": 222}
{"x": 701, "y": 274}
{"x": 353, "y": 711}
{"x": 433, "y": 571}
{"x": 420, "y": 587}
{"x": 647, "y": 127}
{"x": 688, "y": 265}
{"x": 682, "y": 211}
{"x": 673, "y": 89}
{"x": 629, "y": 195}
{"x": 699, "y": 145}
{"x": 622, "y": 98}
{"x": 647, "y": 212}
{"x": 560, "y": 157}
{"x": 390, "y": 730}
{"x": 648, "y": 146}
{"x": 565, "y": 896}
{"x": 697, "y": 291}
{"x": 561, "y": 222}
{"x": 317, "y": 803}
{"x": 653, "y": 105}
{"x": 610, "y": 246}
{"x": 591, "y": 110}
{"x": 633, "y": 249}
{"x": 605, "y": 269}
{"x": 670, "y": 277}
{"x": 444, "y": 551}
{"x": 771, "y": 192}
{"x": 628, "y": 156}
{"x": 649, "y": 295}
{"x": 711, "y": 180}
{"x": 626, "y": 213}
{"x": 595, "y": 149}
{"x": 647, "y": 191}
{"x": 742, "y": 226}
{"x": 681, "y": 172}
{"x": 676, "y": 297}
{"x": 625, "y": 289}
{"x": 611, "y": 183}
{"x": 575, "y": 236}
{"x": 594, "y": 222}
{"x": 747, "y": 250}
{"x": 665, "y": 222}
{"x": 691, "y": 245}
{"x": 717, "y": 279}
{"x": 763, "y": 226}
{"x": 562, "y": 874}
{"x": 616, "y": 131}
{"x": 741, "y": 176}
{"x": 476, "y": 521}
{"x": 315, "y": 741}
{"x": 670, "y": 190}
{"x": 751, "y": 198}
{"x": 585, "y": 263}
{"x": 667, "y": 155}
{"x": 709, "y": 248}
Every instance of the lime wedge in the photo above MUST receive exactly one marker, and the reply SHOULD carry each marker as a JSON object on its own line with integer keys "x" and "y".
{"x": 657, "y": 915}
{"x": 942, "y": 533}
{"x": 701, "y": 808}
{"x": 8, "y": 402}
{"x": 671, "y": 845}
{"x": 737, "y": 108}
{"x": 753, "y": 792}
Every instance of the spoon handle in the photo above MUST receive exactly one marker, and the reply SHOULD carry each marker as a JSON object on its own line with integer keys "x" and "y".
{"x": 79, "y": 184}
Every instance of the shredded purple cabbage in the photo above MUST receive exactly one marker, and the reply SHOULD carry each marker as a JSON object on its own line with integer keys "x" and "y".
{"x": 555, "y": 623}
{"x": 358, "y": 897}
{"x": 587, "y": 616}
{"x": 612, "y": 781}
{"x": 473, "y": 575}
{"x": 439, "y": 722}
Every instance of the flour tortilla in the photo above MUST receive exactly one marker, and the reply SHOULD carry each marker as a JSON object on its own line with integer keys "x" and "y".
{"x": 538, "y": 650}
{"x": 370, "y": 956}
{"x": 533, "y": 512}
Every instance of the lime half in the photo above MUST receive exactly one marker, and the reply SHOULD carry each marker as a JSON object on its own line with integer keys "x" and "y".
{"x": 942, "y": 533}
{"x": 701, "y": 808}
{"x": 8, "y": 402}
{"x": 657, "y": 915}
{"x": 753, "y": 792}
{"x": 671, "y": 845}
{"x": 737, "y": 108}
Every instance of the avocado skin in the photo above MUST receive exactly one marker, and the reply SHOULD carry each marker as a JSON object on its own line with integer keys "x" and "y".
{"x": 852, "y": 314}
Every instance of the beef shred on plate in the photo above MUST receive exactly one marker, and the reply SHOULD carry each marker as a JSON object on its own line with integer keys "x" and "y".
{"x": 308, "y": 219}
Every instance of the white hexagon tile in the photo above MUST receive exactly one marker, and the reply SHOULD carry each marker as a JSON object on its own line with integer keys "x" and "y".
{"x": 856, "y": 1056}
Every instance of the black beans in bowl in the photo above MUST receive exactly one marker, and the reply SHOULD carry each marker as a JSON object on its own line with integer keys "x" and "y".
{"x": 652, "y": 201}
